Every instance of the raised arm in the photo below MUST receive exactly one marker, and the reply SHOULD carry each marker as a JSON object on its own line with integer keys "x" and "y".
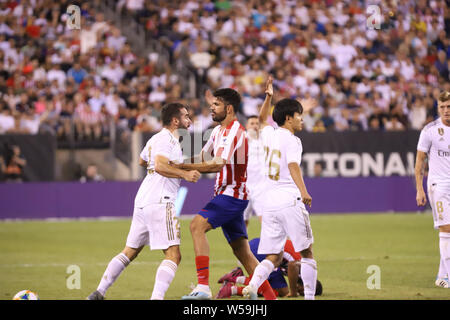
{"x": 265, "y": 108}
{"x": 419, "y": 172}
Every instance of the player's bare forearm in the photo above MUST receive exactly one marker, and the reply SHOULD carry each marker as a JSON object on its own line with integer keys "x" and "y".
{"x": 212, "y": 166}
{"x": 265, "y": 108}
{"x": 293, "y": 272}
{"x": 297, "y": 176}
{"x": 419, "y": 169}
{"x": 168, "y": 171}
{"x": 418, "y": 172}
{"x": 163, "y": 168}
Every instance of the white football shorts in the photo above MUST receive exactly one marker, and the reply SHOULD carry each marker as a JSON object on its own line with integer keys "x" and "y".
{"x": 439, "y": 198}
{"x": 288, "y": 221}
{"x": 155, "y": 225}
{"x": 255, "y": 204}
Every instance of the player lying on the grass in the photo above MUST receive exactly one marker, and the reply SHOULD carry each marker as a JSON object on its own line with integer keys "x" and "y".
{"x": 226, "y": 153}
{"x": 284, "y": 211}
{"x": 289, "y": 267}
{"x": 434, "y": 143}
{"x": 154, "y": 222}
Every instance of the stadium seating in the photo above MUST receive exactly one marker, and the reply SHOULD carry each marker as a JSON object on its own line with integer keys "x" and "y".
{"x": 81, "y": 84}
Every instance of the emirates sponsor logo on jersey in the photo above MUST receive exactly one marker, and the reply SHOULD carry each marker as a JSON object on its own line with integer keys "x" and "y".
{"x": 442, "y": 153}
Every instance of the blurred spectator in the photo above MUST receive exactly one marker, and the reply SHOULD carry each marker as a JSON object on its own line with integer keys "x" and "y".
{"x": 92, "y": 175}
{"x": 318, "y": 170}
{"x": 2, "y": 168}
{"x": 14, "y": 164}
{"x": 393, "y": 124}
{"x": 6, "y": 120}
{"x": 321, "y": 49}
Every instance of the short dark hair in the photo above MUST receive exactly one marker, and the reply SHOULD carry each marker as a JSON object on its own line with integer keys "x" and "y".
{"x": 285, "y": 107}
{"x": 229, "y": 96}
{"x": 319, "y": 287}
{"x": 169, "y": 111}
{"x": 252, "y": 117}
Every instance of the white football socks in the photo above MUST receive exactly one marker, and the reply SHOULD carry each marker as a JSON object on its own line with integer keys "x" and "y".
{"x": 442, "y": 273}
{"x": 164, "y": 276}
{"x": 308, "y": 272}
{"x": 112, "y": 272}
{"x": 444, "y": 247}
{"x": 261, "y": 273}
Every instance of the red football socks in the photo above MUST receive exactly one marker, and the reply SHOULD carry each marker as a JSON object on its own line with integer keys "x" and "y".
{"x": 202, "y": 264}
{"x": 265, "y": 289}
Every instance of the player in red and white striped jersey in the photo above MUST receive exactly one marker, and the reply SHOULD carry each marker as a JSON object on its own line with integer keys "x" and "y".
{"x": 230, "y": 144}
{"x": 225, "y": 153}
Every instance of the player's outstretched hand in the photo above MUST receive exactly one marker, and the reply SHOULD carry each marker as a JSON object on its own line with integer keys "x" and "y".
{"x": 269, "y": 86}
{"x": 308, "y": 104}
{"x": 421, "y": 198}
{"x": 192, "y": 176}
{"x": 307, "y": 199}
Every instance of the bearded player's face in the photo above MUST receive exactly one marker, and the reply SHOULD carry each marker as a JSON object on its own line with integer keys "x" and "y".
{"x": 218, "y": 110}
{"x": 185, "y": 120}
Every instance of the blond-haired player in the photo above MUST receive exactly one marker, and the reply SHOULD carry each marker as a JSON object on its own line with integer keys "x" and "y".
{"x": 434, "y": 144}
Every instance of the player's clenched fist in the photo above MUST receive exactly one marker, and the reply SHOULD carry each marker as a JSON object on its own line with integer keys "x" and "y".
{"x": 192, "y": 176}
{"x": 421, "y": 198}
{"x": 307, "y": 199}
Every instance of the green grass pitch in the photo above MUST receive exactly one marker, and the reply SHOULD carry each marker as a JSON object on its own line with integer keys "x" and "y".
{"x": 36, "y": 255}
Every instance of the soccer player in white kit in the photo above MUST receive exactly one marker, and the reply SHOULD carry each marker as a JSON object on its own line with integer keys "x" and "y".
{"x": 434, "y": 143}
{"x": 154, "y": 222}
{"x": 284, "y": 211}
{"x": 255, "y": 168}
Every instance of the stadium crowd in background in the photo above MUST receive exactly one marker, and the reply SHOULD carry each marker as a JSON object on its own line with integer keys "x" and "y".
{"x": 58, "y": 80}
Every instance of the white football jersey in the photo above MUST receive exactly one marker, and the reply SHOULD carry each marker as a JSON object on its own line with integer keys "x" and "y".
{"x": 435, "y": 141}
{"x": 255, "y": 167}
{"x": 155, "y": 188}
{"x": 281, "y": 148}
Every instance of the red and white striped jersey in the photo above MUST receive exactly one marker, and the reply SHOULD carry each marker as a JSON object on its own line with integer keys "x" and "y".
{"x": 230, "y": 144}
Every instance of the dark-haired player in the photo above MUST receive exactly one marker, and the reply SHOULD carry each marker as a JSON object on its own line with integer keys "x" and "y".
{"x": 284, "y": 213}
{"x": 154, "y": 221}
{"x": 226, "y": 153}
